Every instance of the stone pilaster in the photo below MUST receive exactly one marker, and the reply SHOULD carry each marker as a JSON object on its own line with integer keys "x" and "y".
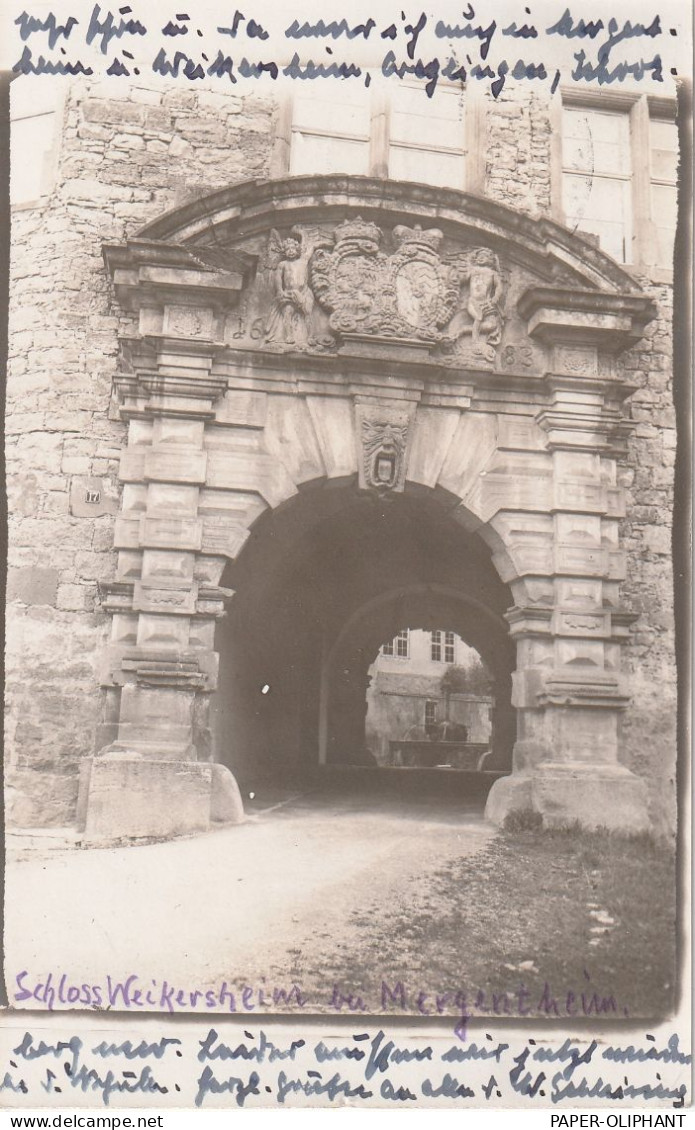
{"x": 154, "y": 776}
{"x": 569, "y": 688}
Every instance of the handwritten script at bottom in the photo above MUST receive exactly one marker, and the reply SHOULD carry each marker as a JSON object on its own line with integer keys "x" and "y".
{"x": 206, "y": 1067}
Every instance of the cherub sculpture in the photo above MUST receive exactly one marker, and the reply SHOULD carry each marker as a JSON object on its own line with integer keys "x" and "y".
{"x": 484, "y": 301}
{"x": 483, "y": 304}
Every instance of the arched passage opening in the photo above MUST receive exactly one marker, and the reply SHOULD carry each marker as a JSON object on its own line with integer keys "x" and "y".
{"x": 414, "y": 614}
{"x": 322, "y": 583}
{"x": 429, "y": 702}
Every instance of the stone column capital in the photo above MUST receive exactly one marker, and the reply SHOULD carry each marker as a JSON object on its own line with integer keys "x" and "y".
{"x": 163, "y": 375}
{"x": 152, "y": 272}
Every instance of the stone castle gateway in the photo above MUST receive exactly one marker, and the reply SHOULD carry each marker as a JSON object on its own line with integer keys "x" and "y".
{"x": 353, "y": 403}
{"x": 380, "y": 400}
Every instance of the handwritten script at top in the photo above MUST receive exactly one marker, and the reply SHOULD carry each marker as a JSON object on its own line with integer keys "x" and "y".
{"x": 473, "y": 48}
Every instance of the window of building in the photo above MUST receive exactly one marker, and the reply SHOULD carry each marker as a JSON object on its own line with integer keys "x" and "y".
{"x": 430, "y": 712}
{"x": 33, "y": 128}
{"x": 443, "y": 646}
{"x": 331, "y": 133}
{"x": 618, "y": 174}
{"x": 426, "y": 137}
{"x": 663, "y": 170}
{"x": 399, "y": 645}
{"x": 597, "y": 175}
{"x": 399, "y": 133}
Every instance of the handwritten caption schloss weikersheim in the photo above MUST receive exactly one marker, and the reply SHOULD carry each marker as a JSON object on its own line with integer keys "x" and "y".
{"x": 127, "y": 41}
{"x": 219, "y": 1066}
{"x": 133, "y": 994}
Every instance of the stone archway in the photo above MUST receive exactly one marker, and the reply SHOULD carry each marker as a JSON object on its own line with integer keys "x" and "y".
{"x": 442, "y": 344}
{"x": 326, "y": 579}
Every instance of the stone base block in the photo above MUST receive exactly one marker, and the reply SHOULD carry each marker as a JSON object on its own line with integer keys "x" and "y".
{"x": 125, "y": 798}
{"x": 593, "y": 796}
{"x": 508, "y": 794}
{"x": 226, "y": 805}
{"x": 598, "y": 797}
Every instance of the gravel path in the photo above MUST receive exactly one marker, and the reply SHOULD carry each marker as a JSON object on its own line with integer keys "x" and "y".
{"x": 231, "y": 905}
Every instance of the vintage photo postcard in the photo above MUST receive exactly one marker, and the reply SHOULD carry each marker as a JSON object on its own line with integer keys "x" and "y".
{"x": 348, "y": 609}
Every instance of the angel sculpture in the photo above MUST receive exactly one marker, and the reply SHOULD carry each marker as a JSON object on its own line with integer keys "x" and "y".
{"x": 293, "y": 302}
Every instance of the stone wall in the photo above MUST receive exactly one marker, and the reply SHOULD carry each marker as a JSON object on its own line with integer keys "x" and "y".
{"x": 517, "y": 134}
{"x": 396, "y": 706}
{"x": 649, "y": 731}
{"x": 126, "y": 155}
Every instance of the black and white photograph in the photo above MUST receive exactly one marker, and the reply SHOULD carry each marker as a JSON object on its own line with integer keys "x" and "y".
{"x": 348, "y": 480}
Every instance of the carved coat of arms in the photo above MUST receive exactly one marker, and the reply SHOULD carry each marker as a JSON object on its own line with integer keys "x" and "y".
{"x": 453, "y": 302}
{"x": 410, "y": 293}
{"x": 413, "y": 293}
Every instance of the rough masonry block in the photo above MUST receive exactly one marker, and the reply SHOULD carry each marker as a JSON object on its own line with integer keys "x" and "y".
{"x": 34, "y": 585}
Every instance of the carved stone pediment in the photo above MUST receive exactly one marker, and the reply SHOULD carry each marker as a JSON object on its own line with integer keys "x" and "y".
{"x": 376, "y": 271}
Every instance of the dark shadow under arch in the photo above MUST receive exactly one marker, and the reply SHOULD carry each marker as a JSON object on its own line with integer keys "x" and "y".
{"x": 319, "y": 583}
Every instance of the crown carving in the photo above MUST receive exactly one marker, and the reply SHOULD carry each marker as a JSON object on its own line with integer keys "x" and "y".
{"x": 417, "y": 237}
{"x": 357, "y": 229}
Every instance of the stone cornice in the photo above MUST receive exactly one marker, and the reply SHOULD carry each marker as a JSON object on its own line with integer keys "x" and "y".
{"x": 121, "y": 596}
{"x": 612, "y": 322}
{"x": 205, "y": 369}
{"x": 544, "y": 621}
{"x": 588, "y": 689}
{"x": 145, "y": 268}
{"x": 247, "y": 209}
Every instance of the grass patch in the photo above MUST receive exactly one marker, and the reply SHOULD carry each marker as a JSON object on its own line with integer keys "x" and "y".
{"x": 584, "y": 912}
{"x": 523, "y": 820}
